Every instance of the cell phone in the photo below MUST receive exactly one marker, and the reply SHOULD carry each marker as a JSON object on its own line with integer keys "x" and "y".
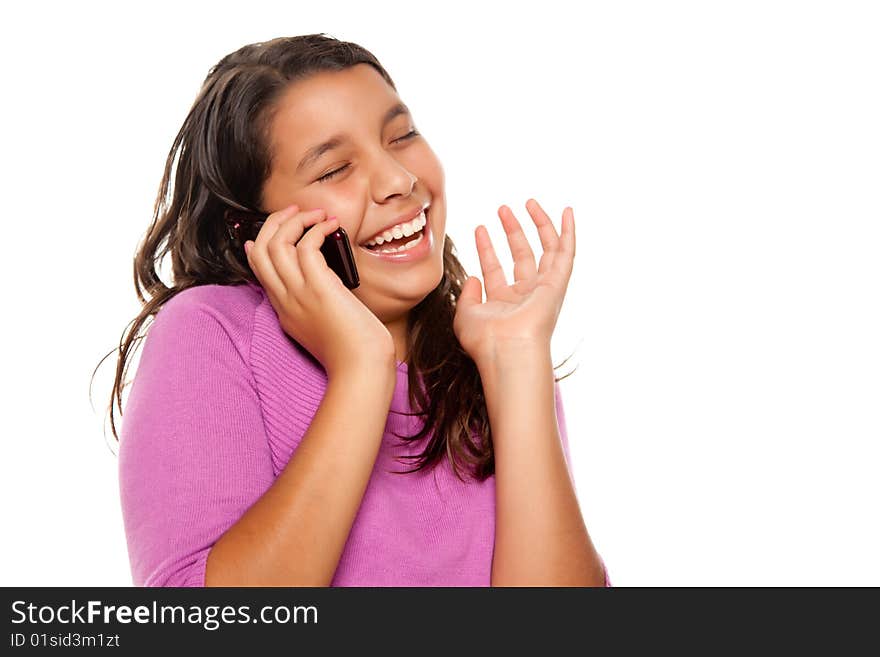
{"x": 336, "y": 249}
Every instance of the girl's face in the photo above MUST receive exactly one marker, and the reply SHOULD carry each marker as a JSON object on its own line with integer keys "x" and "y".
{"x": 381, "y": 175}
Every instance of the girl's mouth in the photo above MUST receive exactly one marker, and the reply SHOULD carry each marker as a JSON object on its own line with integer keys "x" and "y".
{"x": 407, "y": 247}
{"x": 400, "y": 239}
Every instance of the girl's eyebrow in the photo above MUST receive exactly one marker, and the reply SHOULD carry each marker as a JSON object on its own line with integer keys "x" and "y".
{"x": 337, "y": 140}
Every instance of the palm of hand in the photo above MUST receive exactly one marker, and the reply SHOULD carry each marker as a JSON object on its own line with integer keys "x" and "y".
{"x": 526, "y": 311}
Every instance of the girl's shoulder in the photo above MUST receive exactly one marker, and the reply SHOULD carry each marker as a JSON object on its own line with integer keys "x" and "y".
{"x": 236, "y": 324}
{"x": 202, "y": 307}
{"x": 222, "y": 298}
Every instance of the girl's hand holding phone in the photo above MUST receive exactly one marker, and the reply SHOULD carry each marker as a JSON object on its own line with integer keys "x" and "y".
{"x": 314, "y": 307}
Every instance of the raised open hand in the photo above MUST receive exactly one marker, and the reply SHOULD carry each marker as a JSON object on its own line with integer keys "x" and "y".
{"x": 524, "y": 313}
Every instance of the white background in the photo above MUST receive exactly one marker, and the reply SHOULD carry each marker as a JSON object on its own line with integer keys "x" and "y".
{"x": 722, "y": 160}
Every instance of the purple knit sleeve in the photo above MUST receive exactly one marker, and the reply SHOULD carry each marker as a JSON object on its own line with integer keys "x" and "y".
{"x": 193, "y": 454}
{"x": 563, "y": 434}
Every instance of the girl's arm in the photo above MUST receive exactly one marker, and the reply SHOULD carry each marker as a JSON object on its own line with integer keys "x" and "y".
{"x": 200, "y": 501}
{"x": 295, "y": 533}
{"x": 540, "y": 536}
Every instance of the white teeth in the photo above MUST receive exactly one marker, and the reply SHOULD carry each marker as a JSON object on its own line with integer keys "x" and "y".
{"x": 410, "y": 245}
{"x": 400, "y": 230}
{"x": 405, "y": 247}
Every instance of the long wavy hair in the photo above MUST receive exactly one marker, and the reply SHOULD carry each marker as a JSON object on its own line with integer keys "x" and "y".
{"x": 221, "y": 158}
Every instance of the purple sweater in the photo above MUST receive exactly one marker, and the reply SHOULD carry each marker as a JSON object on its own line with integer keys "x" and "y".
{"x": 221, "y": 399}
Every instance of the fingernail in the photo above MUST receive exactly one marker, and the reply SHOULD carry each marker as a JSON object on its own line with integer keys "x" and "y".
{"x": 247, "y": 247}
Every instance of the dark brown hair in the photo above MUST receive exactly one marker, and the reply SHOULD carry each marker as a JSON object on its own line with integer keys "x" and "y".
{"x": 220, "y": 158}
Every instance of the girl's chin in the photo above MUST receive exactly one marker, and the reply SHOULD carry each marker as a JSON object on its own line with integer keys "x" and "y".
{"x": 393, "y": 287}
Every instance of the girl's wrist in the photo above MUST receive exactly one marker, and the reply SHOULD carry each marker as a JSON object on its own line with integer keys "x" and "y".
{"x": 512, "y": 355}
{"x": 367, "y": 365}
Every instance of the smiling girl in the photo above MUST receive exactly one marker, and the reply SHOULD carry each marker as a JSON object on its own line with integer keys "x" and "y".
{"x": 273, "y": 406}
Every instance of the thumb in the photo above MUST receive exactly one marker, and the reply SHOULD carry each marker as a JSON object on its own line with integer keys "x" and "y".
{"x": 471, "y": 292}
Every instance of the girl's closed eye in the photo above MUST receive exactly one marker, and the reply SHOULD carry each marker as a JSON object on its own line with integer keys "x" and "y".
{"x": 335, "y": 172}
{"x": 327, "y": 176}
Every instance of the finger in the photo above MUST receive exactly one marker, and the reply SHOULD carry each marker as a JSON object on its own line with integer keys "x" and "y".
{"x": 546, "y": 232}
{"x": 314, "y": 266}
{"x": 493, "y": 274}
{"x": 261, "y": 265}
{"x": 272, "y": 288}
{"x": 282, "y": 247}
{"x": 273, "y": 222}
{"x": 563, "y": 262}
{"x": 523, "y": 256}
{"x": 471, "y": 293}
{"x": 258, "y": 257}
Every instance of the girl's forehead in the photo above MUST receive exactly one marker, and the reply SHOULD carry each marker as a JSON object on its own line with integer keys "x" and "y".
{"x": 359, "y": 87}
{"x": 330, "y": 105}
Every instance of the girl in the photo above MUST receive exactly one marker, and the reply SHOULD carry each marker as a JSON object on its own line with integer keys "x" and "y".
{"x": 272, "y": 406}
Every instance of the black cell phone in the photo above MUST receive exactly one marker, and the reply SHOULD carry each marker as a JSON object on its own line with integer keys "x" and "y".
{"x": 336, "y": 249}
